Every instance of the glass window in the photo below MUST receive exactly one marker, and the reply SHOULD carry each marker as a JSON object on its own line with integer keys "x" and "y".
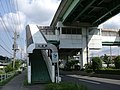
{"x": 71, "y": 30}
{"x": 74, "y": 30}
{"x": 64, "y": 31}
{"x": 79, "y": 31}
{"x": 109, "y": 33}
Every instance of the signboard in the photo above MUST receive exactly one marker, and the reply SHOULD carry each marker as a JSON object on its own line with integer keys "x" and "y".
{"x": 54, "y": 57}
{"x": 41, "y": 46}
{"x": 47, "y": 46}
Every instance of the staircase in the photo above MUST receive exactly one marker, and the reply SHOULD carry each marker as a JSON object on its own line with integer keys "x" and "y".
{"x": 39, "y": 69}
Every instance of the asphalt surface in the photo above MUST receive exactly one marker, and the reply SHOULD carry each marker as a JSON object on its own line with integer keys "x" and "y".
{"x": 17, "y": 83}
{"x": 93, "y": 83}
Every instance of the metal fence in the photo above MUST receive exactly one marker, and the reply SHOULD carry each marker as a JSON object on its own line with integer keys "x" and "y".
{"x": 6, "y": 76}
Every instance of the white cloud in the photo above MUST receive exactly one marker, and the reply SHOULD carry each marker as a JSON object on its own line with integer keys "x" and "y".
{"x": 13, "y": 21}
{"x": 113, "y": 23}
{"x": 38, "y": 11}
{"x": 30, "y": 11}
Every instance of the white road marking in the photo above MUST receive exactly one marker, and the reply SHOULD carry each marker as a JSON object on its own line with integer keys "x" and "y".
{"x": 89, "y": 81}
{"x": 96, "y": 79}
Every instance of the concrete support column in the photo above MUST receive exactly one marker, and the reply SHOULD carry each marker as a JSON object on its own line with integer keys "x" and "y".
{"x": 59, "y": 27}
{"x": 57, "y": 32}
{"x": 83, "y": 58}
{"x": 60, "y": 30}
{"x": 80, "y": 59}
{"x": 85, "y": 48}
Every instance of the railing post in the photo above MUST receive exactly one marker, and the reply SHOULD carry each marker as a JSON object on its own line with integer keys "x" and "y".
{"x": 29, "y": 74}
{"x": 0, "y": 78}
{"x": 53, "y": 73}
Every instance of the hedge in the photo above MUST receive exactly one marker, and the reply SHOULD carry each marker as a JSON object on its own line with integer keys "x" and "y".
{"x": 114, "y": 71}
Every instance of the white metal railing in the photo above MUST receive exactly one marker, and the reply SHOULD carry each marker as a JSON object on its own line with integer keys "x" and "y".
{"x": 51, "y": 68}
{"x": 52, "y": 37}
{"x": 6, "y": 76}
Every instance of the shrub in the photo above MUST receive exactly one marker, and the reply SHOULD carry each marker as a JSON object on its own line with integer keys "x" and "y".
{"x": 9, "y": 68}
{"x": 106, "y": 60}
{"x": 89, "y": 70}
{"x": 96, "y": 63}
{"x": 117, "y": 62}
{"x": 64, "y": 86}
{"x": 88, "y": 66}
{"x": 17, "y": 64}
{"x": 69, "y": 65}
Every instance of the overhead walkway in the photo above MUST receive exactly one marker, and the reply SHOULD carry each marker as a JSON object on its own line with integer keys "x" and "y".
{"x": 42, "y": 56}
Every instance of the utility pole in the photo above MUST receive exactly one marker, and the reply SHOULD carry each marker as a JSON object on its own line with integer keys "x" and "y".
{"x": 110, "y": 53}
{"x": 21, "y": 53}
{"x": 15, "y": 48}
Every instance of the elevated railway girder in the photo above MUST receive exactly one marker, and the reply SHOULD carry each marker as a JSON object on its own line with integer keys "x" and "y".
{"x": 86, "y": 12}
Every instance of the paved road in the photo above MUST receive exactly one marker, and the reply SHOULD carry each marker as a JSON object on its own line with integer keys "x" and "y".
{"x": 93, "y": 83}
{"x": 18, "y": 84}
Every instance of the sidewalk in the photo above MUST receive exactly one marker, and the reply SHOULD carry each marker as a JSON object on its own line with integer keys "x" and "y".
{"x": 17, "y": 83}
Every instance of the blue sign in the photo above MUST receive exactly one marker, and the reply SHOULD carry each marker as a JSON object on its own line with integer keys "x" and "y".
{"x": 54, "y": 57}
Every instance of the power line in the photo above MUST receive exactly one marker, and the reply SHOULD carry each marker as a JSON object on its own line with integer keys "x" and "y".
{"x": 2, "y": 6}
{"x": 4, "y": 43}
{"x": 10, "y": 10}
{"x": 5, "y": 49}
{"x": 6, "y": 11}
{"x": 8, "y": 7}
{"x": 13, "y": 6}
{"x": 5, "y": 26}
{"x": 19, "y": 21}
{"x": 6, "y": 30}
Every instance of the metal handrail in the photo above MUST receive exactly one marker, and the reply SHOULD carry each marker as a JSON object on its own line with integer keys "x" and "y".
{"x": 5, "y": 76}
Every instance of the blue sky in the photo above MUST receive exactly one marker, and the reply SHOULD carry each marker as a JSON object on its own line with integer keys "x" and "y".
{"x": 16, "y": 14}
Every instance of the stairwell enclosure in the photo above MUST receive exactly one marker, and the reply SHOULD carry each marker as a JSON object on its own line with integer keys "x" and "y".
{"x": 40, "y": 69}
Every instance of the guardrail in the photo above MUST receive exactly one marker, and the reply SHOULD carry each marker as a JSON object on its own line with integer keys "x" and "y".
{"x": 6, "y": 76}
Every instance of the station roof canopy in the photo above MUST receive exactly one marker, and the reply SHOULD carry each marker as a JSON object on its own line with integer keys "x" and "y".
{"x": 85, "y": 12}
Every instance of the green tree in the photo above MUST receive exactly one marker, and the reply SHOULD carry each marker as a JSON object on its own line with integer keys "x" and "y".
{"x": 96, "y": 63}
{"x": 9, "y": 68}
{"x": 17, "y": 64}
{"x": 117, "y": 62}
{"x": 106, "y": 60}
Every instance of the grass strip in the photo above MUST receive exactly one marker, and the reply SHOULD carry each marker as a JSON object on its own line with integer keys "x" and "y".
{"x": 64, "y": 86}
